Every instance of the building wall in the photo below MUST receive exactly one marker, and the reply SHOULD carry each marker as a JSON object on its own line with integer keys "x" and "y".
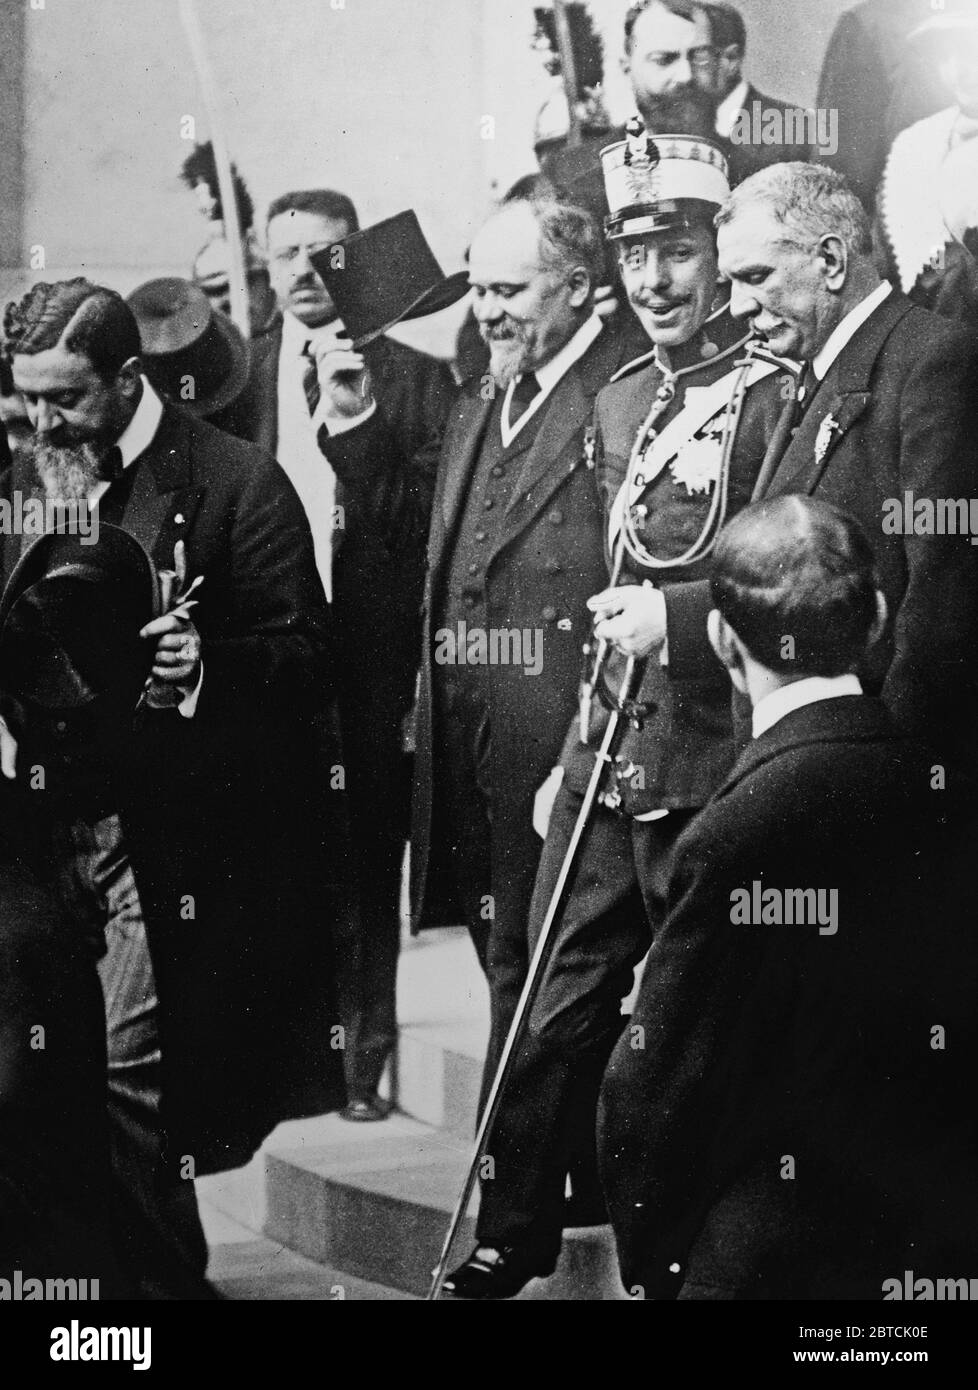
{"x": 423, "y": 103}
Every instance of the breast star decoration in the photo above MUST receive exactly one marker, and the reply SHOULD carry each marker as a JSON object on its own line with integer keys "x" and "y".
{"x": 697, "y": 464}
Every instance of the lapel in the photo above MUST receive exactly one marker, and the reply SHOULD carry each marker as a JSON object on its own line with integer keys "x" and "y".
{"x": 163, "y": 501}
{"x": 568, "y": 410}
{"x": 460, "y": 456}
{"x": 264, "y": 389}
{"x": 840, "y": 401}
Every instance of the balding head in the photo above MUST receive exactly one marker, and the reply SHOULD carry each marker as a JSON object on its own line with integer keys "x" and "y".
{"x": 533, "y": 268}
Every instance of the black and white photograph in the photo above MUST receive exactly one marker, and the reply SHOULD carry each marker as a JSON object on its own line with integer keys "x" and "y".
{"x": 489, "y": 667}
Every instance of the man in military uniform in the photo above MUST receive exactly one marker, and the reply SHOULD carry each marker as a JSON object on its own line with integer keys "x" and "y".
{"x": 679, "y": 436}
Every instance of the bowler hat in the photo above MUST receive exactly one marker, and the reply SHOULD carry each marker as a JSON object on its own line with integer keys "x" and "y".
{"x": 70, "y": 618}
{"x": 184, "y": 337}
{"x": 383, "y": 274}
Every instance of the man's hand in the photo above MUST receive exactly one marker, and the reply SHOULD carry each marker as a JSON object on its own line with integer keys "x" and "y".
{"x": 632, "y": 618}
{"x": 177, "y": 659}
{"x": 344, "y": 379}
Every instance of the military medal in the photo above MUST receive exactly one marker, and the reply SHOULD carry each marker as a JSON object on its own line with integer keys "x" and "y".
{"x": 697, "y": 465}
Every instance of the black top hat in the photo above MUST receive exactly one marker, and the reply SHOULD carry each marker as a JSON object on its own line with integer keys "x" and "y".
{"x": 70, "y": 618}
{"x": 384, "y": 274}
{"x": 183, "y": 335}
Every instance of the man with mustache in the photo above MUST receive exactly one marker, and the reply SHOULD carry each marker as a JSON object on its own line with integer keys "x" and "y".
{"x": 515, "y": 547}
{"x": 303, "y": 371}
{"x": 188, "y": 838}
{"x": 688, "y": 423}
{"x": 885, "y": 429}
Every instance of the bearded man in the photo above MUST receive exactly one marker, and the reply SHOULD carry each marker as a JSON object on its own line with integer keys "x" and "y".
{"x": 515, "y": 550}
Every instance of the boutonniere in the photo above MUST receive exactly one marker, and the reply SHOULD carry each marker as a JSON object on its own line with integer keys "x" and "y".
{"x": 697, "y": 465}
{"x": 823, "y": 439}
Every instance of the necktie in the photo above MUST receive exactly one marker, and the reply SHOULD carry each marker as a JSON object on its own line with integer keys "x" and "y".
{"x": 807, "y": 386}
{"x": 310, "y": 378}
{"x": 111, "y": 467}
{"x": 525, "y": 391}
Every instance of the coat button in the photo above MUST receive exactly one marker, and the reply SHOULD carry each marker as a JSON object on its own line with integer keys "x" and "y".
{"x": 480, "y": 535}
{"x": 554, "y": 567}
{"x": 497, "y": 471}
{"x": 489, "y": 503}
{"x": 179, "y": 519}
{"x": 555, "y": 517}
{"x": 549, "y": 613}
{"x": 473, "y": 569}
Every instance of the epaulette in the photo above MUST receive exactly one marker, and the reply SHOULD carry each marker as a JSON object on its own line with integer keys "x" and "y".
{"x": 633, "y": 366}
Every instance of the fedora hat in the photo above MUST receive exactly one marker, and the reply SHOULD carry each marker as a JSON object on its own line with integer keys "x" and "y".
{"x": 184, "y": 336}
{"x": 384, "y": 274}
{"x": 70, "y": 618}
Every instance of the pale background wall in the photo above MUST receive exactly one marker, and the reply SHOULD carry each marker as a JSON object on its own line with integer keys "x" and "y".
{"x": 385, "y": 99}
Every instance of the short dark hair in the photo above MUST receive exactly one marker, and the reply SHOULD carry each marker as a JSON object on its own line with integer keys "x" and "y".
{"x": 685, "y": 9}
{"x": 728, "y": 27}
{"x": 92, "y": 320}
{"x": 799, "y": 568}
{"x": 324, "y": 202}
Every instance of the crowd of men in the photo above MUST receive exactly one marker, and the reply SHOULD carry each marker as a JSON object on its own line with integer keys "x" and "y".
{"x": 722, "y": 440}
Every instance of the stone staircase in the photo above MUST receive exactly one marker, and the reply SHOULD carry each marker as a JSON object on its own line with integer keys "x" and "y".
{"x": 360, "y": 1211}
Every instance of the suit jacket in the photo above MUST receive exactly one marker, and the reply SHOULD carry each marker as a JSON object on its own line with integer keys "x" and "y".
{"x": 686, "y": 742}
{"x": 226, "y": 815}
{"x": 786, "y": 1127}
{"x": 378, "y": 570}
{"x": 549, "y": 559}
{"x": 747, "y": 158}
{"x": 896, "y": 414}
{"x": 878, "y": 83}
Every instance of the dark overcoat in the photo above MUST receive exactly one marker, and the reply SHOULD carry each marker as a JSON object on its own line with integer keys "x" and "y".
{"x": 781, "y": 1120}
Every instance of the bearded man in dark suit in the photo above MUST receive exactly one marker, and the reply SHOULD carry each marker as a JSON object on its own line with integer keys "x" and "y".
{"x": 193, "y": 838}
{"x": 785, "y": 1117}
{"x": 301, "y": 373}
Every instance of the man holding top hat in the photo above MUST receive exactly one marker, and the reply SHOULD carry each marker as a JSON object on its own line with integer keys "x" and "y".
{"x": 172, "y": 758}
{"x": 679, "y": 436}
{"x": 339, "y": 404}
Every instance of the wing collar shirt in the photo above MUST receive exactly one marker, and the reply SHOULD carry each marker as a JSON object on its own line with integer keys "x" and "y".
{"x": 730, "y": 108}
{"x": 134, "y": 440}
{"x": 787, "y": 698}
{"x": 847, "y": 329}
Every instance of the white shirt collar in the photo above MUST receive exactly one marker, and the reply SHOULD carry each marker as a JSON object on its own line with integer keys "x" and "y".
{"x": 550, "y": 374}
{"x": 847, "y": 329}
{"x": 141, "y": 429}
{"x": 730, "y": 108}
{"x": 295, "y": 335}
{"x": 787, "y": 698}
